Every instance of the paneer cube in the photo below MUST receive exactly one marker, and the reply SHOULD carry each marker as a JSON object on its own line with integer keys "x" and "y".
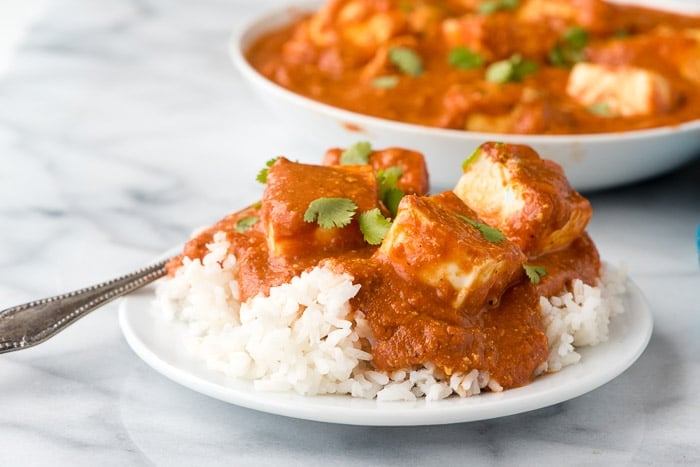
{"x": 498, "y": 37}
{"x": 415, "y": 178}
{"x": 689, "y": 55}
{"x": 592, "y": 15}
{"x": 437, "y": 239}
{"x": 292, "y": 186}
{"x": 526, "y": 197}
{"x": 360, "y": 23}
{"x": 626, "y": 91}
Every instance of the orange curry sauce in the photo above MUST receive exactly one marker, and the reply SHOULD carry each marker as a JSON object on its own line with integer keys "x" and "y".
{"x": 497, "y": 326}
{"x": 340, "y": 54}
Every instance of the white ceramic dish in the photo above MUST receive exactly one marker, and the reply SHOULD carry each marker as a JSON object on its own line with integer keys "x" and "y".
{"x": 591, "y": 162}
{"x": 157, "y": 342}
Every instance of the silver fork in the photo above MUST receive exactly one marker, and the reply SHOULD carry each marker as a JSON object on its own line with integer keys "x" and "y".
{"x": 26, "y": 325}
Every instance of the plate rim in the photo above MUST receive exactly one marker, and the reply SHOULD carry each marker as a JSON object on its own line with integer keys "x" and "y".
{"x": 326, "y": 408}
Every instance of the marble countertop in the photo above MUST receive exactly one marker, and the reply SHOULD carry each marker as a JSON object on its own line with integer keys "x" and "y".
{"x": 123, "y": 126}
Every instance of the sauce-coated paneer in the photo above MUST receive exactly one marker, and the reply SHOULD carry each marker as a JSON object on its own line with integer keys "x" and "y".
{"x": 415, "y": 178}
{"x": 593, "y": 15}
{"x": 435, "y": 240}
{"x": 292, "y": 186}
{"x": 497, "y": 37}
{"x": 528, "y": 198}
{"x": 625, "y": 91}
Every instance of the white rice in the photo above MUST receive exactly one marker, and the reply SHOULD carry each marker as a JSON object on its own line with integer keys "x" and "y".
{"x": 304, "y": 337}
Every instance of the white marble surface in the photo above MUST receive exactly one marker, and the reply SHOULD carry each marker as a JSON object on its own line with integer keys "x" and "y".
{"x": 122, "y": 127}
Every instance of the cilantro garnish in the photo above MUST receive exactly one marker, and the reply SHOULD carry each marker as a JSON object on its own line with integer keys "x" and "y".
{"x": 492, "y": 6}
{"x": 569, "y": 50}
{"x": 357, "y": 154}
{"x": 576, "y": 37}
{"x": 601, "y": 109}
{"x": 373, "y": 226}
{"x": 406, "y": 60}
{"x": 470, "y": 159}
{"x": 385, "y": 82}
{"x": 464, "y": 58}
{"x": 330, "y": 212}
{"x": 392, "y": 198}
{"x": 388, "y": 177}
{"x": 389, "y": 192}
{"x": 262, "y": 175}
{"x": 512, "y": 69}
{"x": 245, "y": 223}
{"x": 534, "y": 273}
{"x": 491, "y": 234}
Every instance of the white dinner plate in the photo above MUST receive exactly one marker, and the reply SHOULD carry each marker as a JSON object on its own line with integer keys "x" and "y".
{"x": 157, "y": 341}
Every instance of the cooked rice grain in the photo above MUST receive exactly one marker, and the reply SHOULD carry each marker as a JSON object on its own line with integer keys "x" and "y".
{"x": 303, "y": 337}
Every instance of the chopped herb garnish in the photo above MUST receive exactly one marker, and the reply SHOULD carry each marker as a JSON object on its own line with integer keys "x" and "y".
{"x": 601, "y": 109}
{"x": 388, "y": 178}
{"x": 534, "y": 273}
{"x": 465, "y": 59}
{"x": 392, "y": 198}
{"x": 569, "y": 50}
{"x": 513, "y": 69}
{"x": 357, "y": 154}
{"x": 245, "y": 223}
{"x": 491, "y": 234}
{"x": 330, "y": 212}
{"x": 492, "y": 6}
{"x": 373, "y": 226}
{"x": 262, "y": 175}
{"x": 470, "y": 159}
{"x": 406, "y": 60}
{"x": 385, "y": 82}
{"x": 389, "y": 193}
{"x": 256, "y": 205}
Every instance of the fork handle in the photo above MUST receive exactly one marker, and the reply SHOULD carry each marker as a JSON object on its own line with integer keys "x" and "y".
{"x": 26, "y": 325}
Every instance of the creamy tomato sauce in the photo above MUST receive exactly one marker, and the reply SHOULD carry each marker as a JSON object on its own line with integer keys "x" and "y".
{"x": 341, "y": 56}
{"x": 496, "y": 326}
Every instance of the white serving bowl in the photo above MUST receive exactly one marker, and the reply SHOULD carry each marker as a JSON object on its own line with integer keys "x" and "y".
{"x": 591, "y": 161}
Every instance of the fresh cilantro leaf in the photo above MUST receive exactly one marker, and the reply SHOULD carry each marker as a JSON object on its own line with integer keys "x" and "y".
{"x": 465, "y": 59}
{"x": 389, "y": 192}
{"x": 500, "y": 72}
{"x": 491, "y": 234}
{"x": 389, "y": 177}
{"x": 492, "y": 6}
{"x": 262, "y": 175}
{"x": 245, "y": 223}
{"x": 330, "y": 212}
{"x": 601, "y": 109}
{"x": 373, "y": 226}
{"x": 256, "y": 205}
{"x": 569, "y": 50}
{"x": 406, "y": 60}
{"x": 392, "y": 198}
{"x": 576, "y": 37}
{"x": 357, "y": 154}
{"x": 385, "y": 82}
{"x": 534, "y": 273}
{"x": 470, "y": 159}
{"x": 513, "y": 69}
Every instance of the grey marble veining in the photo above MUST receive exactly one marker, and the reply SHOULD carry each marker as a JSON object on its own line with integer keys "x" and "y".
{"x": 123, "y": 126}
